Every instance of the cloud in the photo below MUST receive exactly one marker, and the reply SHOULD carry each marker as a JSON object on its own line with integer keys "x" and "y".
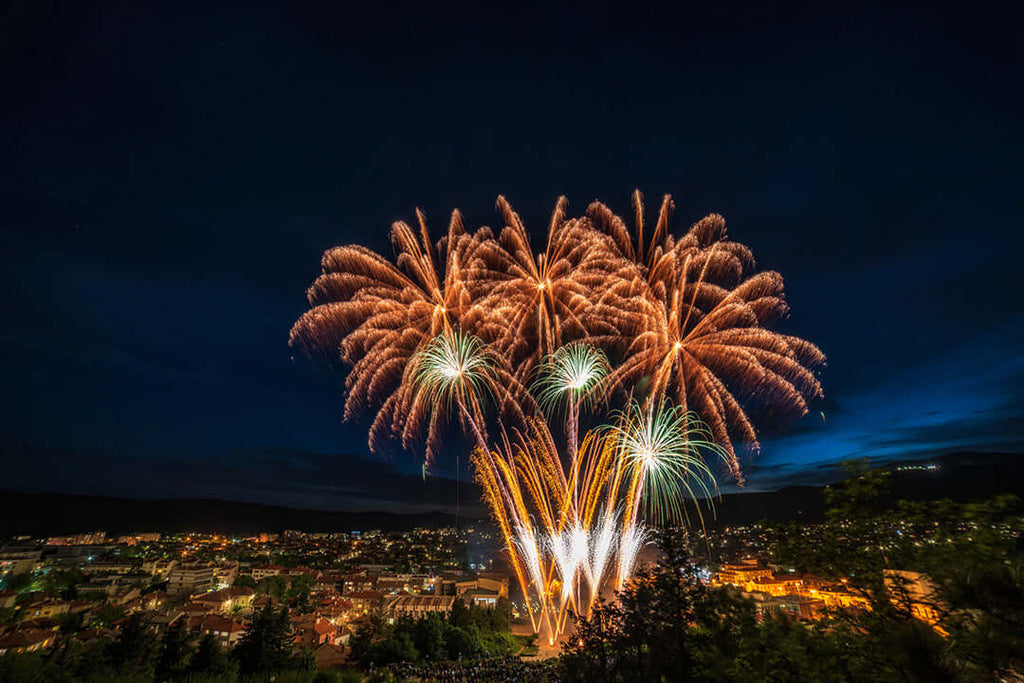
{"x": 966, "y": 398}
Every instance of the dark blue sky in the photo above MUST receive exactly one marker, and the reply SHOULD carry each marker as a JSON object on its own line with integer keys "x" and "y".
{"x": 170, "y": 178}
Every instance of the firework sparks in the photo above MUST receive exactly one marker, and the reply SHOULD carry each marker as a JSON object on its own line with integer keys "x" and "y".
{"x": 374, "y": 315}
{"x": 566, "y": 522}
{"x": 570, "y": 376}
{"x": 701, "y": 337}
{"x": 578, "y": 287}
{"x": 458, "y": 325}
{"x": 668, "y": 449}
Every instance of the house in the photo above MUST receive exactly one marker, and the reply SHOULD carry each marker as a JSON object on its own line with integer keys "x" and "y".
{"x": 48, "y": 609}
{"x": 260, "y": 573}
{"x": 154, "y": 600}
{"x": 481, "y": 597}
{"x": 162, "y": 622}
{"x": 227, "y": 599}
{"x": 742, "y": 574}
{"x": 159, "y": 568}
{"x": 358, "y": 582}
{"x": 329, "y": 656}
{"x": 123, "y": 595}
{"x": 26, "y": 640}
{"x": 196, "y": 609}
{"x": 312, "y": 631}
{"x": 19, "y": 560}
{"x": 485, "y": 590}
{"x": 336, "y": 610}
{"x": 226, "y": 630}
{"x": 329, "y": 583}
{"x": 417, "y": 606}
{"x": 915, "y": 591}
{"x": 364, "y": 601}
{"x": 802, "y": 607}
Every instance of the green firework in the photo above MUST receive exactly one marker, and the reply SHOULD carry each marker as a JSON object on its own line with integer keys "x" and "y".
{"x": 453, "y": 367}
{"x": 570, "y": 374}
{"x": 668, "y": 448}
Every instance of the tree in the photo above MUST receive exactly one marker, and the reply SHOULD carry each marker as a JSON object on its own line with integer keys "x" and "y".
{"x": 18, "y": 582}
{"x": 210, "y": 659}
{"x": 274, "y": 586}
{"x": 107, "y": 614}
{"x": 667, "y": 625}
{"x": 245, "y": 581}
{"x": 175, "y": 650}
{"x": 134, "y": 653}
{"x": 267, "y": 644}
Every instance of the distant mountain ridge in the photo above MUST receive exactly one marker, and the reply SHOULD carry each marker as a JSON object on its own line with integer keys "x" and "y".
{"x": 961, "y": 476}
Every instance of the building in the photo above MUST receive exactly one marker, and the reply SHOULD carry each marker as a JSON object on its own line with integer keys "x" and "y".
{"x": 916, "y": 592}
{"x": 226, "y": 630}
{"x": 260, "y": 573}
{"x": 481, "y": 597}
{"x": 364, "y": 601}
{"x": 358, "y": 582}
{"x": 19, "y": 560}
{"x": 227, "y": 599}
{"x": 190, "y": 579}
{"x": 110, "y": 568}
{"x": 742, "y": 574}
{"x": 91, "y": 538}
{"x": 418, "y": 606}
{"x": 159, "y": 568}
{"x": 26, "y": 640}
{"x": 7, "y": 598}
{"x": 802, "y": 607}
{"x": 485, "y": 590}
{"x": 329, "y": 656}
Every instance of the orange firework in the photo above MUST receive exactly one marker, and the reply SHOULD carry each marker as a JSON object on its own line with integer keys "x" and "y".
{"x": 686, "y": 316}
{"x": 374, "y": 315}
{"x": 702, "y": 337}
{"x": 578, "y": 287}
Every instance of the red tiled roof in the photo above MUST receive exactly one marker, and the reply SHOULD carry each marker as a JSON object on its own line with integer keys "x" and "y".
{"x": 195, "y": 608}
{"x": 323, "y": 626}
{"x": 26, "y": 637}
{"x": 365, "y": 595}
{"x": 215, "y": 622}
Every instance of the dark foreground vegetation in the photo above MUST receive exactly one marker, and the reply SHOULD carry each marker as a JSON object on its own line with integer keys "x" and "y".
{"x": 668, "y": 626}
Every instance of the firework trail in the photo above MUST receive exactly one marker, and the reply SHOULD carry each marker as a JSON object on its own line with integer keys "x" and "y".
{"x": 566, "y": 522}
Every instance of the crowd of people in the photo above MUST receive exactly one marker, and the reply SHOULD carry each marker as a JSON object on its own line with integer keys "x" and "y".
{"x": 482, "y": 670}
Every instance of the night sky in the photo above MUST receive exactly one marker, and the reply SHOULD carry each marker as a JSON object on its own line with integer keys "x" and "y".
{"x": 171, "y": 177}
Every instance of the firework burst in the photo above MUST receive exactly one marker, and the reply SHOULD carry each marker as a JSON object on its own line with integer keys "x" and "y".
{"x": 569, "y": 378}
{"x": 701, "y": 336}
{"x": 374, "y": 315}
{"x": 667, "y": 451}
{"x": 577, "y": 288}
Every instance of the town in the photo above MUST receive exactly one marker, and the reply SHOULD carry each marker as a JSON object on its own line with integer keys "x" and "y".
{"x": 87, "y": 584}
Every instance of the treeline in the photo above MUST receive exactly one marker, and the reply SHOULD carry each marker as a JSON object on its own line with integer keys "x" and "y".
{"x": 668, "y": 625}
{"x": 467, "y": 631}
{"x": 138, "y": 655}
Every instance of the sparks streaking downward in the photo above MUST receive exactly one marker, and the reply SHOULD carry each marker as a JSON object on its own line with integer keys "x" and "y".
{"x": 565, "y": 520}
